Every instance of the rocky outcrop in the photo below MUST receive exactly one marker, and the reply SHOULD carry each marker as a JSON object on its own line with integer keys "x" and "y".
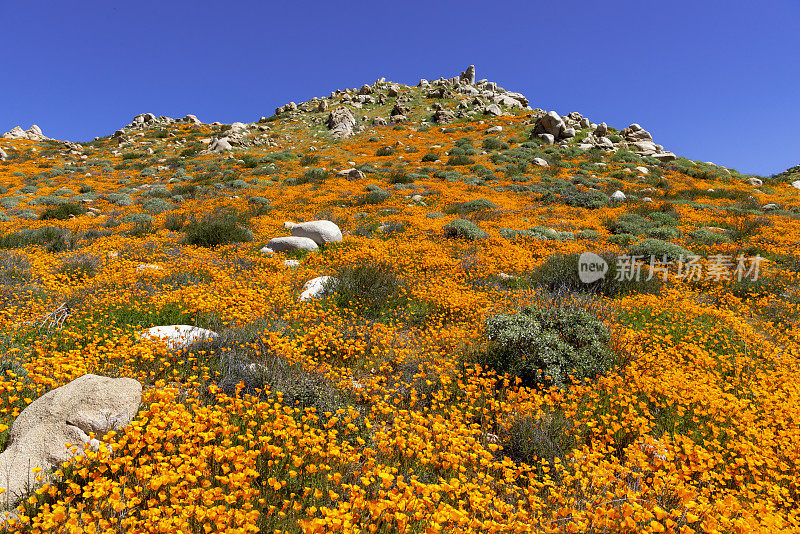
{"x": 68, "y": 414}
{"x": 341, "y": 122}
{"x": 34, "y": 133}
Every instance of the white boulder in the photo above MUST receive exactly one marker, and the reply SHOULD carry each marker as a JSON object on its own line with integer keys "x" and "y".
{"x": 321, "y": 232}
{"x": 315, "y": 288}
{"x": 67, "y": 414}
{"x": 796, "y": 184}
{"x": 618, "y": 196}
{"x": 540, "y": 162}
{"x": 288, "y": 243}
{"x": 178, "y": 336}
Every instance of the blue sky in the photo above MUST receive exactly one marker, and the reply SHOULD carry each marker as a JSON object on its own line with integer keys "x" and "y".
{"x": 711, "y": 80}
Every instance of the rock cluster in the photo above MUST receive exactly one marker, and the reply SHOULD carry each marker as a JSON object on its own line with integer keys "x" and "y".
{"x": 553, "y": 128}
{"x": 34, "y": 133}
{"x": 145, "y": 121}
{"x": 306, "y": 236}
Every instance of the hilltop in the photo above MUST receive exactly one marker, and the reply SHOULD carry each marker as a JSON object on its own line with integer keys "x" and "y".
{"x": 429, "y": 308}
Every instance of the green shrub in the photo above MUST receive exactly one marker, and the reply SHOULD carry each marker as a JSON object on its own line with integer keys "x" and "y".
{"x": 704, "y": 236}
{"x": 463, "y": 229}
{"x": 533, "y": 440}
{"x": 213, "y": 231}
{"x": 399, "y": 177}
{"x": 385, "y": 151}
{"x": 309, "y": 159}
{"x": 119, "y": 199}
{"x": 64, "y": 211}
{"x": 373, "y": 289}
{"x": 48, "y": 200}
{"x": 658, "y": 249}
{"x": 313, "y": 176}
{"x": 175, "y": 222}
{"x": 560, "y": 273}
{"x": 479, "y": 204}
{"x": 493, "y": 143}
{"x": 430, "y": 156}
{"x": 664, "y": 232}
{"x": 157, "y": 205}
{"x": 547, "y": 346}
{"x": 137, "y": 218}
{"x": 460, "y": 160}
{"x": 54, "y": 239}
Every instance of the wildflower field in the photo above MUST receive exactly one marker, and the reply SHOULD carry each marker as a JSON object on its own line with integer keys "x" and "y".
{"x": 461, "y": 381}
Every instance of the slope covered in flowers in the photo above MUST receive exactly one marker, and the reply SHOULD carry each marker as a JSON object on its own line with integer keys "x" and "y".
{"x": 380, "y": 419}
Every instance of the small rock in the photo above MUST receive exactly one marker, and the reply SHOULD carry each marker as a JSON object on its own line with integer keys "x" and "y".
{"x": 178, "y": 336}
{"x": 540, "y": 162}
{"x": 494, "y": 129}
{"x": 618, "y": 196}
{"x": 315, "y": 288}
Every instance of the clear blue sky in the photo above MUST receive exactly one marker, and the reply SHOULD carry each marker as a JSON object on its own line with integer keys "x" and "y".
{"x": 711, "y": 80}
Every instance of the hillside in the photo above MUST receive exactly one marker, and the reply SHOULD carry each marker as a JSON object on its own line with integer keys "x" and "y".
{"x": 464, "y": 367}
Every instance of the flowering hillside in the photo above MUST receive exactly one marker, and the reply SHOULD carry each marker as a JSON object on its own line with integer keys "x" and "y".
{"x": 458, "y": 371}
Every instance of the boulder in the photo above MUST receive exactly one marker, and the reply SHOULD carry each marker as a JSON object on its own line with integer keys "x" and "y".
{"x": 755, "y": 181}
{"x": 642, "y": 170}
{"x": 219, "y": 145}
{"x": 192, "y": 119}
{"x": 665, "y": 156}
{"x": 3, "y": 155}
{"x": 494, "y": 129}
{"x": 605, "y": 142}
{"x": 618, "y": 196}
{"x": 34, "y": 133}
{"x": 468, "y": 76}
{"x": 547, "y": 138}
{"x": 321, "y": 232}
{"x": 443, "y": 116}
{"x": 493, "y": 109}
{"x": 634, "y": 132}
{"x": 601, "y": 130}
{"x": 315, "y": 288}
{"x": 341, "y": 122}
{"x": 178, "y": 336}
{"x": 644, "y": 147}
{"x": 540, "y": 162}
{"x": 550, "y": 124}
{"x": 67, "y": 414}
{"x": 288, "y": 243}
{"x": 769, "y": 207}
{"x": 796, "y": 184}
{"x": 379, "y": 121}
